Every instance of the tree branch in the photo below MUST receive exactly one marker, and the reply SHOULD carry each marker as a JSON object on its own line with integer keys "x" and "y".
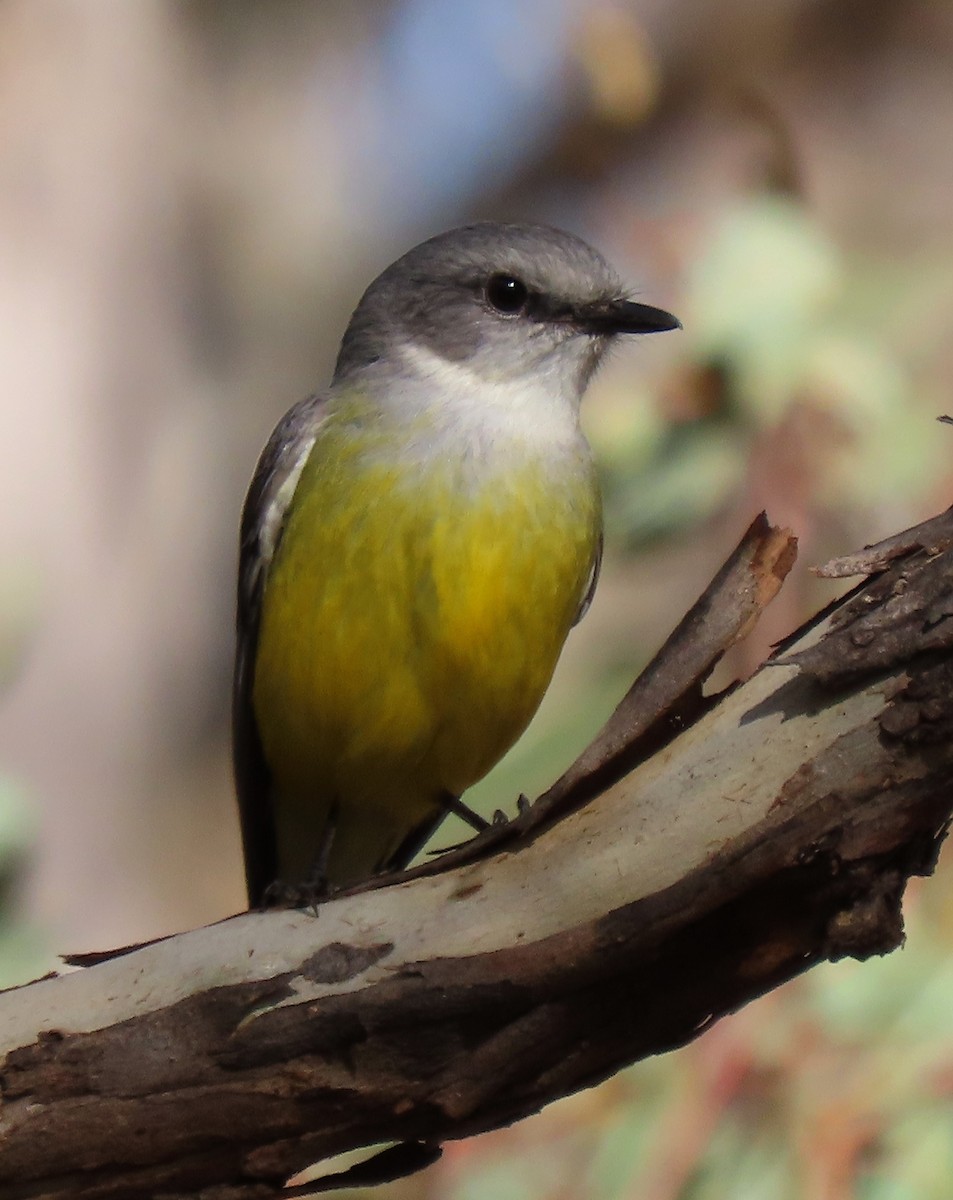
{"x": 701, "y": 852}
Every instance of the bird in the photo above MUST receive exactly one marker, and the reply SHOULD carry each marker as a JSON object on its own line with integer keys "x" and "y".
{"x": 416, "y": 543}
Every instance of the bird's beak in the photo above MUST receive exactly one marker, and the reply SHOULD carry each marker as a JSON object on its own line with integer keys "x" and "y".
{"x": 626, "y": 316}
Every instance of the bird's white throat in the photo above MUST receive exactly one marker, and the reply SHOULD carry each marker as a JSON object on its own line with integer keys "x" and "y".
{"x": 540, "y": 409}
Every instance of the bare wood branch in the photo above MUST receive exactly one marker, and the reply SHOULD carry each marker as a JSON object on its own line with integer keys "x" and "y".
{"x": 745, "y": 840}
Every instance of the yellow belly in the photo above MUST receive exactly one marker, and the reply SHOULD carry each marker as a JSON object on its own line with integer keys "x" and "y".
{"x": 411, "y": 623}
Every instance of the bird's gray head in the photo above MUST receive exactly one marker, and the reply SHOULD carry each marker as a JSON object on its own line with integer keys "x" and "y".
{"x": 508, "y": 302}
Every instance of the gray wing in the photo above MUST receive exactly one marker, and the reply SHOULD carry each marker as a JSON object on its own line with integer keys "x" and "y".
{"x": 263, "y": 519}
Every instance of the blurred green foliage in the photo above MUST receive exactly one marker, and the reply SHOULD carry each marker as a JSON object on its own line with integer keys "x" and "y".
{"x": 22, "y": 955}
{"x": 780, "y": 326}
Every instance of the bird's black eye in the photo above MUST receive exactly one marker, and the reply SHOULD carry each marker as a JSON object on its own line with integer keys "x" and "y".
{"x": 506, "y": 293}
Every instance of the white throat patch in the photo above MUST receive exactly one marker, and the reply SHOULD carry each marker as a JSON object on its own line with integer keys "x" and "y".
{"x": 539, "y": 409}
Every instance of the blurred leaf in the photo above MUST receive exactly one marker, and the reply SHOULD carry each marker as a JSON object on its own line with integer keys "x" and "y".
{"x": 694, "y": 469}
{"x": 621, "y": 1151}
{"x": 18, "y": 826}
{"x": 24, "y": 954}
{"x": 20, "y": 593}
{"x": 758, "y": 293}
{"x": 741, "y": 1164}
{"x": 916, "y": 1160}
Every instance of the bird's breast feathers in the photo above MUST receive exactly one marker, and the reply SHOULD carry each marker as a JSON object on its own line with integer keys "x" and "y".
{"x": 419, "y": 599}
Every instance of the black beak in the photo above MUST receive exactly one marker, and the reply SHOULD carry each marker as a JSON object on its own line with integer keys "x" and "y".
{"x": 626, "y": 316}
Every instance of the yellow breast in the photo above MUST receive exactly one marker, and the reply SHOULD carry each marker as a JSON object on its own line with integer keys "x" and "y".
{"x": 412, "y": 620}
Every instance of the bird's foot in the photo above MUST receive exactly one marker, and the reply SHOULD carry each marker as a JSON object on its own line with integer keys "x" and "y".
{"x": 310, "y": 892}
{"x": 475, "y": 821}
{"x": 523, "y": 805}
{"x": 306, "y": 895}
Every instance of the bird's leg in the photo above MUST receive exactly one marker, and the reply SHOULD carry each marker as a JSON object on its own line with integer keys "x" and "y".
{"x": 317, "y": 887}
{"x": 281, "y": 894}
{"x": 453, "y": 804}
{"x": 456, "y": 806}
{"x": 318, "y": 875}
{"x": 310, "y": 891}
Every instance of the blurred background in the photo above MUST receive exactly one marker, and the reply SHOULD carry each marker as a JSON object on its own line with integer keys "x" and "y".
{"x": 192, "y": 198}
